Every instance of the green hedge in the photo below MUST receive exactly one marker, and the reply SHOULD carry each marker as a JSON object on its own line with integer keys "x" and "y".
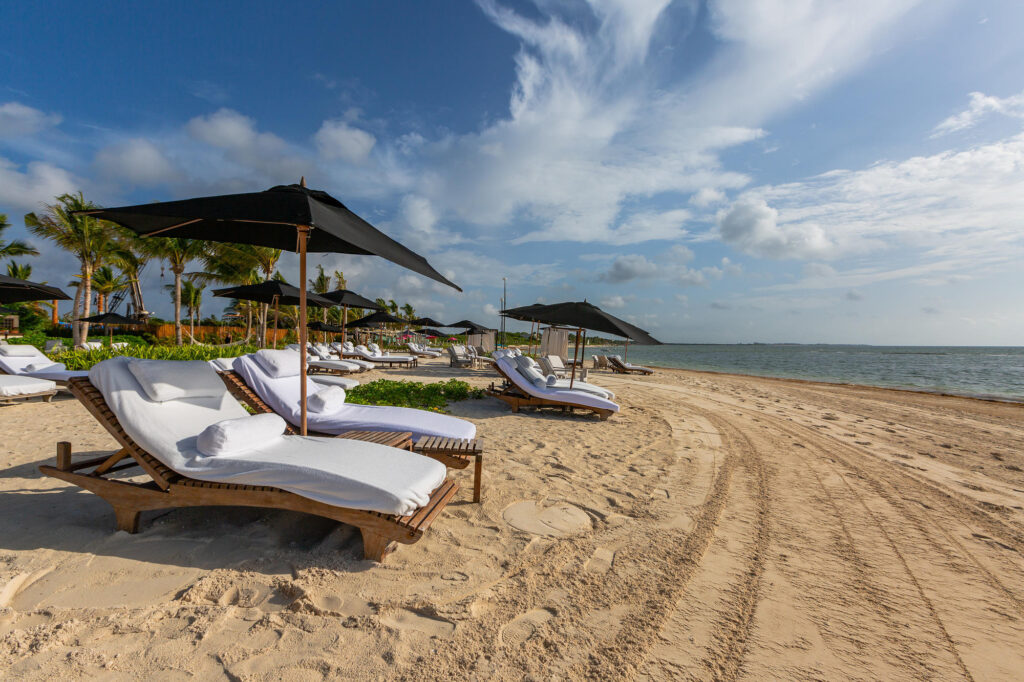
{"x": 85, "y": 359}
{"x": 434, "y": 397}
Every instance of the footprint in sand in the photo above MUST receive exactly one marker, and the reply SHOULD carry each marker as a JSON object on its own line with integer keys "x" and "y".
{"x": 403, "y": 619}
{"x": 558, "y": 520}
{"x": 600, "y": 561}
{"x": 523, "y": 627}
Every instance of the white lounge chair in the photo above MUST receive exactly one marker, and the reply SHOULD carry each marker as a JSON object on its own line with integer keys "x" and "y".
{"x": 29, "y": 361}
{"x": 13, "y": 388}
{"x": 617, "y": 364}
{"x": 531, "y": 370}
{"x": 378, "y": 358}
{"x": 178, "y": 421}
{"x": 521, "y": 392}
{"x": 419, "y": 350}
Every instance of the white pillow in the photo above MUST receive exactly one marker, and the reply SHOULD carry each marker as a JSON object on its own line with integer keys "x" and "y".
{"x": 238, "y": 435}
{"x": 21, "y": 350}
{"x": 278, "y": 363}
{"x": 164, "y": 380}
{"x": 330, "y": 399}
{"x": 45, "y": 366}
{"x": 526, "y": 363}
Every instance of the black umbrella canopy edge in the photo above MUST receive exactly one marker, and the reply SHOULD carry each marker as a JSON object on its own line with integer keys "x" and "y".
{"x": 582, "y": 315}
{"x": 346, "y": 297}
{"x": 265, "y": 292}
{"x": 379, "y": 317}
{"x": 14, "y": 290}
{"x": 113, "y": 319}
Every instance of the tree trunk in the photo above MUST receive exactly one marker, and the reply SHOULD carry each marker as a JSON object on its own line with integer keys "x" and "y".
{"x": 192, "y": 325}
{"x": 177, "y": 308}
{"x": 86, "y": 302}
{"x": 264, "y": 321}
{"x": 248, "y": 321}
{"x": 76, "y": 327}
{"x": 100, "y": 302}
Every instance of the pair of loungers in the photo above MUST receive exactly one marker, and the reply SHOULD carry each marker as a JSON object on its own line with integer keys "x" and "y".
{"x": 179, "y": 422}
{"x": 526, "y": 386}
{"x": 376, "y": 356}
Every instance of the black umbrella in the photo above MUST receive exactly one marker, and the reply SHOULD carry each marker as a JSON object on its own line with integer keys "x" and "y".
{"x": 381, "y": 317}
{"x": 350, "y": 299}
{"x": 427, "y": 322}
{"x": 521, "y": 311}
{"x": 430, "y": 332}
{"x": 290, "y": 217}
{"x": 326, "y": 328}
{"x": 469, "y": 327}
{"x": 14, "y": 290}
{"x": 112, "y": 320}
{"x": 273, "y": 291}
{"x": 582, "y": 316}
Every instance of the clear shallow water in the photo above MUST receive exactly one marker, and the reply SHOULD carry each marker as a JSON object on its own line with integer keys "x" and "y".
{"x": 989, "y": 372}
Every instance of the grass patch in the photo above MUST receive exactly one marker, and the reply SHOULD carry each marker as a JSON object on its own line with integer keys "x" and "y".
{"x": 85, "y": 359}
{"x": 434, "y": 397}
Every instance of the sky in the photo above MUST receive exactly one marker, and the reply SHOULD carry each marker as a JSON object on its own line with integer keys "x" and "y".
{"x": 813, "y": 171}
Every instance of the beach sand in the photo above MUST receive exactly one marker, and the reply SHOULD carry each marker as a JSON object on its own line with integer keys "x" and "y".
{"x": 718, "y": 527}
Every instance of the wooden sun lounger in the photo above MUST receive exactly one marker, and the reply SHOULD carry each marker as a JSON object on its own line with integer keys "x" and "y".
{"x": 454, "y": 453}
{"x": 168, "y": 489}
{"x": 47, "y": 396}
{"x": 511, "y": 394}
{"x": 381, "y": 361}
{"x": 617, "y": 365}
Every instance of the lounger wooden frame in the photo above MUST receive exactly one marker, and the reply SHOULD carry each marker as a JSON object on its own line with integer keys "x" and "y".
{"x": 454, "y": 453}
{"x": 516, "y": 398}
{"x": 617, "y": 365}
{"x": 168, "y": 489}
{"x": 47, "y": 396}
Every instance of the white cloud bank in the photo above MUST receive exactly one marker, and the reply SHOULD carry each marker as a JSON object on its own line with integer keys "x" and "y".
{"x": 17, "y": 120}
{"x": 981, "y": 105}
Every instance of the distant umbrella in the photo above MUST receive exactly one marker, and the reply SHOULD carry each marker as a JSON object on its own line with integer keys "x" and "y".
{"x": 273, "y": 292}
{"x": 14, "y": 290}
{"x": 426, "y": 322}
{"x": 111, "y": 320}
{"x": 430, "y": 332}
{"x": 326, "y": 328}
{"x": 350, "y": 299}
{"x": 580, "y": 315}
{"x": 289, "y": 217}
{"x": 379, "y": 317}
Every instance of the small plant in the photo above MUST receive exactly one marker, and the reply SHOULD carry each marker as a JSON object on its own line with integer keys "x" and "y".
{"x": 434, "y": 397}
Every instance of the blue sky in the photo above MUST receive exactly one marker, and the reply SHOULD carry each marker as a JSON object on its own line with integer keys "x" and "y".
{"x": 727, "y": 171}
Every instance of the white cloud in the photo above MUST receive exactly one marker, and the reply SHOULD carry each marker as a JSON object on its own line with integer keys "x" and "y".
{"x": 137, "y": 161}
{"x": 682, "y": 299}
{"x": 615, "y": 302}
{"x": 628, "y": 267}
{"x": 752, "y": 226}
{"x": 338, "y": 140}
{"x": 419, "y": 213}
{"x": 819, "y": 270}
{"x": 706, "y": 196}
{"x": 38, "y": 184}
{"x": 981, "y": 105}
{"x": 17, "y": 119}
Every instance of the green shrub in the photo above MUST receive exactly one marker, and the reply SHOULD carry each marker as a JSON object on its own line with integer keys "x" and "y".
{"x": 85, "y": 359}
{"x": 434, "y": 397}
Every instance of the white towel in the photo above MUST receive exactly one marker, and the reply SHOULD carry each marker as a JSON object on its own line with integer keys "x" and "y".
{"x": 239, "y": 435}
{"x": 279, "y": 363}
{"x": 164, "y": 380}
{"x": 330, "y": 399}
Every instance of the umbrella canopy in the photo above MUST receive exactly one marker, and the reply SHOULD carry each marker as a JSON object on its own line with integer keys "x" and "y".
{"x": 426, "y": 322}
{"x": 289, "y": 217}
{"x": 269, "y": 218}
{"x": 580, "y": 315}
{"x": 429, "y": 332}
{"x": 272, "y": 291}
{"x": 377, "y": 318}
{"x": 470, "y": 326}
{"x": 14, "y": 290}
{"x": 111, "y": 319}
{"x": 328, "y": 328}
{"x": 350, "y": 299}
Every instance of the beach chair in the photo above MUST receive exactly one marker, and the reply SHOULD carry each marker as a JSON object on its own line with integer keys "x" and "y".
{"x": 600, "y": 361}
{"x": 533, "y": 372}
{"x": 379, "y": 359}
{"x": 457, "y": 357}
{"x": 420, "y": 351}
{"x": 14, "y": 388}
{"x": 170, "y": 488}
{"x": 519, "y": 392}
{"x": 616, "y": 364}
{"x": 449, "y": 440}
{"x": 548, "y": 366}
{"x": 25, "y": 360}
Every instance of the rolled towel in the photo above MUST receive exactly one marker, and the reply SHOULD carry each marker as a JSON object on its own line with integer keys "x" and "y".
{"x": 330, "y": 399}
{"x": 46, "y": 366}
{"x": 238, "y": 435}
{"x": 552, "y": 380}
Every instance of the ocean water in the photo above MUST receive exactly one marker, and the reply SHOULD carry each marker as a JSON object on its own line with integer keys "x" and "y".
{"x": 986, "y": 372}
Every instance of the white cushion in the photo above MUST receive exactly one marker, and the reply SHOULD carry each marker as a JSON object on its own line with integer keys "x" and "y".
{"x": 238, "y": 435}
{"x": 19, "y": 351}
{"x": 525, "y": 362}
{"x": 552, "y": 380}
{"x": 279, "y": 363}
{"x": 45, "y": 366}
{"x": 330, "y": 399}
{"x": 164, "y": 380}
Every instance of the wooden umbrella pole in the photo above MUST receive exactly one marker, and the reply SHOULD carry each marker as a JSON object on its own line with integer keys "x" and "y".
{"x": 276, "y": 301}
{"x": 303, "y": 231}
{"x": 572, "y": 379}
{"x": 625, "y": 353}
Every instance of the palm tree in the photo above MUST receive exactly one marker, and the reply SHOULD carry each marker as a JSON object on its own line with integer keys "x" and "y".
{"x": 19, "y": 270}
{"x": 408, "y": 312}
{"x": 14, "y": 247}
{"x": 178, "y": 252}
{"x": 192, "y": 298}
{"x": 321, "y": 285}
{"x": 236, "y": 264}
{"x": 105, "y": 283}
{"x": 130, "y": 257}
{"x": 89, "y": 239}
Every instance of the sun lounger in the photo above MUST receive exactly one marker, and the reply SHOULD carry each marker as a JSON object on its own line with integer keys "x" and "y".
{"x": 450, "y": 440}
{"x": 392, "y": 495}
{"x": 458, "y": 357}
{"x": 13, "y": 388}
{"x": 525, "y": 364}
{"x": 616, "y": 364}
{"x": 600, "y": 361}
{"x": 547, "y": 366}
{"x": 420, "y": 351}
{"x": 520, "y": 392}
{"x": 363, "y": 353}
{"x": 29, "y": 361}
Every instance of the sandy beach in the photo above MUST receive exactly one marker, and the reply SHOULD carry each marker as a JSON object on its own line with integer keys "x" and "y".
{"x": 718, "y": 527}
